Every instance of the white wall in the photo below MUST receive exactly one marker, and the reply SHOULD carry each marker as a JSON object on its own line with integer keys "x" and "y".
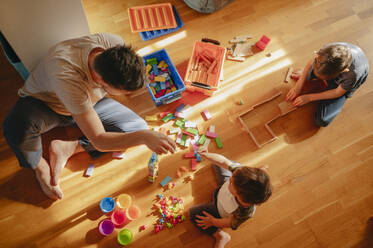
{"x": 32, "y": 26}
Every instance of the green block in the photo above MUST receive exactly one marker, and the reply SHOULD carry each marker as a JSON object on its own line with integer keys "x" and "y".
{"x": 157, "y": 88}
{"x": 192, "y": 130}
{"x": 167, "y": 117}
{"x": 202, "y": 139}
{"x": 179, "y": 123}
{"x": 152, "y": 61}
{"x": 218, "y": 142}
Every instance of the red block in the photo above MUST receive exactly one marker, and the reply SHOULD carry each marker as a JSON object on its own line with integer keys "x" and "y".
{"x": 189, "y": 155}
{"x": 211, "y": 135}
{"x": 263, "y": 42}
{"x": 163, "y": 114}
{"x": 265, "y": 39}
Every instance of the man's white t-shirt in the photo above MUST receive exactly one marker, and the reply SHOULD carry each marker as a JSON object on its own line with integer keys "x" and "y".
{"x": 62, "y": 79}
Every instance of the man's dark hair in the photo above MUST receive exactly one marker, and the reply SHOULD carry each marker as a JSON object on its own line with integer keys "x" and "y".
{"x": 252, "y": 184}
{"x": 121, "y": 68}
{"x": 333, "y": 59}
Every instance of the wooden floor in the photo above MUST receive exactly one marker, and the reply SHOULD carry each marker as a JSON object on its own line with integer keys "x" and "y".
{"x": 322, "y": 178}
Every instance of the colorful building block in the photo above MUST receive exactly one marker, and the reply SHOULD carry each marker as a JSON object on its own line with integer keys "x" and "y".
{"x": 263, "y": 42}
{"x": 179, "y": 123}
{"x": 190, "y": 124}
{"x": 206, "y": 114}
{"x": 202, "y": 139}
{"x": 211, "y": 134}
{"x": 212, "y": 128}
{"x": 153, "y": 167}
{"x": 89, "y": 170}
{"x": 175, "y": 130}
{"x": 155, "y": 69}
{"x": 165, "y": 181}
{"x": 218, "y": 142}
{"x": 180, "y": 107}
{"x": 192, "y": 130}
{"x": 151, "y": 118}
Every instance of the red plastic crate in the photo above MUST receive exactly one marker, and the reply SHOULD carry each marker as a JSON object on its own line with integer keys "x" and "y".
{"x": 205, "y": 67}
{"x": 151, "y": 17}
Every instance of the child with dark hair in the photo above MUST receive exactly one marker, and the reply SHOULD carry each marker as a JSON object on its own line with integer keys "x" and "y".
{"x": 240, "y": 190}
{"x": 343, "y": 68}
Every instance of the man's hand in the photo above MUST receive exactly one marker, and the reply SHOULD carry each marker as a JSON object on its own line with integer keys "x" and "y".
{"x": 159, "y": 143}
{"x": 301, "y": 100}
{"x": 293, "y": 93}
{"x": 202, "y": 150}
{"x": 205, "y": 221}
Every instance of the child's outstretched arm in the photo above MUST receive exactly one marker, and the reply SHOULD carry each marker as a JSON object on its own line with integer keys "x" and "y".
{"x": 216, "y": 158}
{"x": 296, "y": 90}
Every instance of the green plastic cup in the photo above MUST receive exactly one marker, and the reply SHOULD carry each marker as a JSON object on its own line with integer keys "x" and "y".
{"x": 125, "y": 237}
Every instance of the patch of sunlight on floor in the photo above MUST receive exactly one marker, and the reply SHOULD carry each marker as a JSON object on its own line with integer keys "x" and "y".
{"x": 259, "y": 156}
{"x": 275, "y": 55}
{"x": 223, "y": 94}
{"x": 162, "y": 43}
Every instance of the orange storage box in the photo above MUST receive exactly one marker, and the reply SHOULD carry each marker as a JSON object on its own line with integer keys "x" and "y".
{"x": 205, "y": 68}
{"x": 151, "y": 17}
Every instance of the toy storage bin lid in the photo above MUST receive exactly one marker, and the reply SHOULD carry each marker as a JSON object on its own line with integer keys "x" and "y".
{"x": 151, "y": 17}
{"x": 152, "y": 34}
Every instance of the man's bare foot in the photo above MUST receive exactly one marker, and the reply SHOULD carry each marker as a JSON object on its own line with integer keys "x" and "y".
{"x": 221, "y": 238}
{"x": 59, "y": 152}
{"x": 43, "y": 175}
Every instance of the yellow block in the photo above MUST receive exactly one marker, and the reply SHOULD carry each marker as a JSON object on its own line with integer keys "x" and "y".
{"x": 151, "y": 118}
{"x": 159, "y": 79}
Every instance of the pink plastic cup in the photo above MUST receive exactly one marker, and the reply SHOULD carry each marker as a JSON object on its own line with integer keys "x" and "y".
{"x": 118, "y": 217}
{"x": 106, "y": 227}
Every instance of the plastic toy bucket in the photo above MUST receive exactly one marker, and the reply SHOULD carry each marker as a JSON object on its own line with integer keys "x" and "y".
{"x": 118, "y": 217}
{"x": 107, "y": 204}
{"x": 106, "y": 227}
{"x": 133, "y": 212}
{"x": 124, "y": 201}
{"x": 125, "y": 237}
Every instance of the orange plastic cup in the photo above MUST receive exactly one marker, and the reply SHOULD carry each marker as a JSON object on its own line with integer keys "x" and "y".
{"x": 133, "y": 212}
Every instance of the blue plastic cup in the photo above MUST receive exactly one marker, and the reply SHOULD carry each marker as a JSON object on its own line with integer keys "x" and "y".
{"x": 107, "y": 204}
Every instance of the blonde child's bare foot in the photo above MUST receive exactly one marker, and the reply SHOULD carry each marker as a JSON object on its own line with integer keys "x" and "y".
{"x": 43, "y": 175}
{"x": 296, "y": 74}
{"x": 59, "y": 152}
{"x": 221, "y": 238}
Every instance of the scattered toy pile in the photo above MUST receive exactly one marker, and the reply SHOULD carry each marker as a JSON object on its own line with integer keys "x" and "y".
{"x": 161, "y": 82}
{"x": 242, "y": 48}
{"x": 171, "y": 212}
